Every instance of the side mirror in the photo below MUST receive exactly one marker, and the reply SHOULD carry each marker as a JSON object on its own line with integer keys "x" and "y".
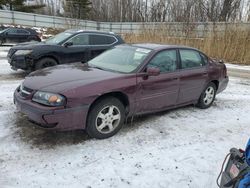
{"x": 6, "y": 33}
{"x": 67, "y": 44}
{"x": 153, "y": 71}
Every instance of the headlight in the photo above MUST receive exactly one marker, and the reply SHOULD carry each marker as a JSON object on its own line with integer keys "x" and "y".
{"x": 23, "y": 52}
{"x": 49, "y": 99}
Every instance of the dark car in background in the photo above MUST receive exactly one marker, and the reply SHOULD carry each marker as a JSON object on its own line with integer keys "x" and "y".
{"x": 18, "y": 35}
{"x": 66, "y": 47}
{"x": 124, "y": 81}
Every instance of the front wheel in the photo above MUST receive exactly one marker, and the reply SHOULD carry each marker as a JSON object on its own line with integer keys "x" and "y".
{"x": 207, "y": 96}
{"x": 45, "y": 62}
{"x": 1, "y": 42}
{"x": 106, "y": 118}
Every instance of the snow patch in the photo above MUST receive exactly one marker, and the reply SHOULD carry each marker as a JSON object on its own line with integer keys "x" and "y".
{"x": 239, "y": 67}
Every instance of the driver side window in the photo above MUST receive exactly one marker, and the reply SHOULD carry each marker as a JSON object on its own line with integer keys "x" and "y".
{"x": 166, "y": 61}
{"x": 82, "y": 39}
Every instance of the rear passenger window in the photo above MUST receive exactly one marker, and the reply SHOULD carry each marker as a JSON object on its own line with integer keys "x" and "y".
{"x": 101, "y": 40}
{"x": 111, "y": 40}
{"x": 190, "y": 59}
{"x": 204, "y": 58}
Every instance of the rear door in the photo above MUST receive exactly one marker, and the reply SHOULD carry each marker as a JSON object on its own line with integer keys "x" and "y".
{"x": 159, "y": 92}
{"x": 193, "y": 75}
{"x": 99, "y": 43}
{"x": 23, "y": 35}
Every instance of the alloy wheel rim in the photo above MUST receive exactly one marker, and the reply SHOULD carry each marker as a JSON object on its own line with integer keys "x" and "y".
{"x": 48, "y": 64}
{"x": 209, "y": 95}
{"x": 108, "y": 119}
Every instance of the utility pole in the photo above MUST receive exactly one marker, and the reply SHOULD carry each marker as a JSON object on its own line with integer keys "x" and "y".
{"x": 121, "y": 10}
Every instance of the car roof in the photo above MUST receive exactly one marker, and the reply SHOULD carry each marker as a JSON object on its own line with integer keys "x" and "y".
{"x": 154, "y": 46}
{"x": 21, "y": 28}
{"x": 89, "y": 31}
{"x": 31, "y": 30}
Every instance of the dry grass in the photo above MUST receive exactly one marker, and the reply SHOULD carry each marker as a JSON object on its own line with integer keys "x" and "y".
{"x": 231, "y": 45}
{"x": 54, "y": 31}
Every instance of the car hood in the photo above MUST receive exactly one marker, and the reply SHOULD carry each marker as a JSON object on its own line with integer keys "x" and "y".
{"x": 64, "y": 77}
{"x": 31, "y": 45}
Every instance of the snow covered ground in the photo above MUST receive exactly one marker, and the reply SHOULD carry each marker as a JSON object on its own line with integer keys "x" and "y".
{"x": 5, "y": 71}
{"x": 242, "y": 71}
{"x": 241, "y": 67}
{"x": 177, "y": 148}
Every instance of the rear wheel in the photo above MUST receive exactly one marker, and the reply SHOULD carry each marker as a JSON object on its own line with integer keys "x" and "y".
{"x": 207, "y": 97}
{"x": 45, "y": 62}
{"x": 106, "y": 118}
{"x": 33, "y": 39}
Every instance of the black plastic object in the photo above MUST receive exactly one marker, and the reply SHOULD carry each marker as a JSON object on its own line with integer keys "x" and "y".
{"x": 235, "y": 169}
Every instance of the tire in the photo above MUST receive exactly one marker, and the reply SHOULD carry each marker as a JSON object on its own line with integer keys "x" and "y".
{"x": 45, "y": 62}
{"x": 207, "y": 96}
{"x": 2, "y": 41}
{"x": 33, "y": 39}
{"x": 106, "y": 118}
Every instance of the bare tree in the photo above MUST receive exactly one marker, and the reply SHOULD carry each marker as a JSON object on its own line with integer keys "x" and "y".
{"x": 168, "y": 10}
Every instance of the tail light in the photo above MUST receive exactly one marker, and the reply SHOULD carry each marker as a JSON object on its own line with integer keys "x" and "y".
{"x": 225, "y": 70}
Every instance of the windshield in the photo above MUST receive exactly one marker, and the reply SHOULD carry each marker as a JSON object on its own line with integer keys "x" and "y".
{"x": 58, "y": 38}
{"x": 3, "y": 30}
{"x": 120, "y": 59}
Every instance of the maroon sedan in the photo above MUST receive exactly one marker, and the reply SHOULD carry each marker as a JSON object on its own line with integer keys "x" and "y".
{"x": 125, "y": 81}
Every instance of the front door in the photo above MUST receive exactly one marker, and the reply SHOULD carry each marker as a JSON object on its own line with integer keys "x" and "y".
{"x": 77, "y": 52}
{"x": 159, "y": 92}
{"x": 12, "y": 35}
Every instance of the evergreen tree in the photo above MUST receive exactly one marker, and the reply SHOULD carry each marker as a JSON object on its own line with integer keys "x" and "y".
{"x": 77, "y": 8}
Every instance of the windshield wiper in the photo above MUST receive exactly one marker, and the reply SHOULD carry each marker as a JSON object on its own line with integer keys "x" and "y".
{"x": 100, "y": 68}
{"x": 97, "y": 67}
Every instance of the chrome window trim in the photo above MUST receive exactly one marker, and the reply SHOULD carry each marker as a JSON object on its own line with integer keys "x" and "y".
{"x": 27, "y": 32}
{"x": 116, "y": 40}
